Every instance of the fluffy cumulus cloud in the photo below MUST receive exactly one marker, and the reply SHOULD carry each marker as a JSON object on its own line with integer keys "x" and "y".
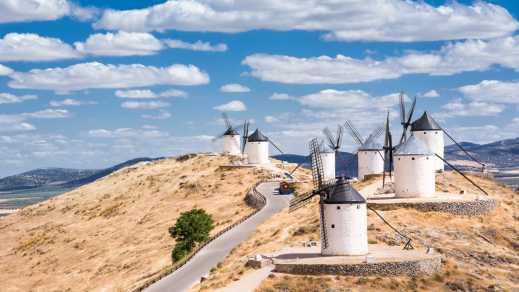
{"x": 281, "y": 96}
{"x": 196, "y": 46}
{"x": 459, "y": 108}
{"x": 384, "y": 20}
{"x": 120, "y": 44}
{"x": 32, "y": 47}
{"x": 48, "y": 114}
{"x": 234, "y": 88}
{"x": 347, "y": 99}
{"x": 431, "y": 93}
{"x": 11, "y": 98}
{"x": 161, "y": 115}
{"x": 144, "y": 104}
{"x": 19, "y": 122}
{"x": 453, "y": 58}
{"x": 492, "y": 91}
{"x": 146, "y": 93}
{"x": 70, "y": 102}
{"x": 39, "y": 10}
{"x": 4, "y": 70}
{"x": 232, "y": 106}
{"x": 97, "y": 75}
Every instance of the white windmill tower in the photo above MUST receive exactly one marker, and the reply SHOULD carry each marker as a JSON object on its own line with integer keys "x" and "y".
{"x": 256, "y": 146}
{"x": 231, "y": 138}
{"x": 370, "y": 154}
{"x": 415, "y": 169}
{"x": 343, "y": 211}
{"x": 328, "y": 156}
{"x": 428, "y": 131}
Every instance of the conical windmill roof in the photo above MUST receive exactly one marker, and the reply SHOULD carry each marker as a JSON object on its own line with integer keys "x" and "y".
{"x": 425, "y": 123}
{"x": 413, "y": 146}
{"x": 343, "y": 193}
{"x": 231, "y": 132}
{"x": 257, "y": 136}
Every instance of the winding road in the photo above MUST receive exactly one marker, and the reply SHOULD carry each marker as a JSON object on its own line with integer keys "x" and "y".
{"x": 216, "y": 251}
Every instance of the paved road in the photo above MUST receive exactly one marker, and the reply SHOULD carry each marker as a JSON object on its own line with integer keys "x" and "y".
{"x": 216, "y": 251}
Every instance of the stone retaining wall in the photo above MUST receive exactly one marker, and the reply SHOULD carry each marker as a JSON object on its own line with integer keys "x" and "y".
{"x": 462, "y": 208}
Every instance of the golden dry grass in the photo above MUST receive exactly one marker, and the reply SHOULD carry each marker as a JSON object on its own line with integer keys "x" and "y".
{"x": 112, "y": 235}
{"x": 480, "y": 254}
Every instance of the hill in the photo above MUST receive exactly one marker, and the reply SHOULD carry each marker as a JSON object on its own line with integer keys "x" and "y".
{"x": 43, "y": 177}
{"x": 112, "y": 234}
{"x": 61, "y": 177}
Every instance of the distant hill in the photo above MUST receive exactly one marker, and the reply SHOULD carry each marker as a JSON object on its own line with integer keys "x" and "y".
{"x": 501, "y": 154}
{"x": 62, "y": 177}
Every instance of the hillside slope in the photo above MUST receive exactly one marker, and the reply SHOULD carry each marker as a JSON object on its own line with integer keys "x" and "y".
{"x": 112, "y": 235}
{"x": 43, "y": 177}
{"x": 479, "y": 254}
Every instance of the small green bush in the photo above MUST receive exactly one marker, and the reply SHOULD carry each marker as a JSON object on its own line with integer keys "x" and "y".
{"x": 192, "y": 227}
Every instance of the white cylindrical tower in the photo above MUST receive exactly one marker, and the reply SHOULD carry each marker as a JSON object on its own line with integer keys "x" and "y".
{"x": 231, "y": 142}
{"x": 370, "y": 159}
{"x": 415, "y": 170}
{"x": 257, "y": 148}
{"x": 428, "y": 131}
{"x": 344, "y": 226}
{"x": 328, "y": 159}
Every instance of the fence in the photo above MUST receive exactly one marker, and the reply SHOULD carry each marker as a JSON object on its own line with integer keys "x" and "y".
{"x": 258, "y": 201}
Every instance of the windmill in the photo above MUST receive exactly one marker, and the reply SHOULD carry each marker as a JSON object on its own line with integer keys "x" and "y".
{"x": 405, "y": 119}
{"x": 231, "y": 137}
{"x": 370, "y": 159}
{"x": 388, "y": 151}
{"x": 339, "y": 205}
{"x": 257, "y": 146}
{"x": 329, "y": 156}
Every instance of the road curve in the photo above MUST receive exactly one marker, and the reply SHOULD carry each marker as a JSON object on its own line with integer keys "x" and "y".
{"x": 216, "y": 251}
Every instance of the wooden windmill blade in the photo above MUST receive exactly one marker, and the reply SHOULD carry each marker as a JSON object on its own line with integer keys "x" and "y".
{"x": 357, "y": 138}
{"x": 245, "y": 135}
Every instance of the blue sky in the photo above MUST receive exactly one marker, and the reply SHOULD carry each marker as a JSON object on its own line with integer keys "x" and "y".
{"x": 91, "y": 83}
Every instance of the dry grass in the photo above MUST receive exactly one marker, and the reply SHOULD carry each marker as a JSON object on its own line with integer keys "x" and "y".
{"x": 112, "y": 235}
{"x": 480, "y": 254}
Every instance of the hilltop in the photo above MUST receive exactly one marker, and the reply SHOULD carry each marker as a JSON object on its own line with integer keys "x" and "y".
{"x": 113, "y": 234}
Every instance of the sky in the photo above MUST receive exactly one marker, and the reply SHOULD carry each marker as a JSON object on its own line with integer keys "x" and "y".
{"x": 92, "y": 83}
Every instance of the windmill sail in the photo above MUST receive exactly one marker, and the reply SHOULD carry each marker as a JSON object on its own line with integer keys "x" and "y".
{"x": 245, "y": 135}
{"x": 405, "y": 119}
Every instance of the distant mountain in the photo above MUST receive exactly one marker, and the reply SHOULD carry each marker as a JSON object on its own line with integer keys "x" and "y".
{"x": 62, "y": 177}
{"x": 43, "y": 177}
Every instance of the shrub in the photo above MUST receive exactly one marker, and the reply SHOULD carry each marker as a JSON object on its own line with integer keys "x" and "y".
{"x": 192, "y": 227}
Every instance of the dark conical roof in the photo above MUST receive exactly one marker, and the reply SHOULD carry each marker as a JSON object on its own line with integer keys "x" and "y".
{"x": 231, "y": 132}
{"x": 425, "y": 123}
{"x": 343, "y": 193}
{"x": 257, "y": 136}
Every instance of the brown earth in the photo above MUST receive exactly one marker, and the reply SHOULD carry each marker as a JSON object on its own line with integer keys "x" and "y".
{"x": 112, "y": 235}
{"x": 479, "y": 254}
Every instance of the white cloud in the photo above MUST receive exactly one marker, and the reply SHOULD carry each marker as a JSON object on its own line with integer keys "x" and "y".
{"x": 457, "y": 108}
{"x": 144, "y": 104}
{"x": 11, "y": 98}
{"x": 135, "y": 93}
{"x": 39, "y": 10}
{"x": 5, "y": 70}
{"x": 391, "y": 20}
{"x": 281, "y": 96}
{"x": 48, "y": 114}
{"x": 234, "y": 87}
{"x": 454, "y": 58}
{"x": 431, "y": 93}
{"x": 97, "y": 75}
{"x": 173, "y": 93}
{"x": 32, "y": 47}
{"x": 120, "y": 44}
{"x": 161, "y": 115}
{"x": 14, "y": 123}
{"x": 70, "y": 102}
{"x": 271, "y": 119}
{"x": 127, "y": 133}
{"x": 347, "y": 99}
{"x": 232, "y": 106}
{"x": 493, "y": 91}
{"x": 196, "y": 46}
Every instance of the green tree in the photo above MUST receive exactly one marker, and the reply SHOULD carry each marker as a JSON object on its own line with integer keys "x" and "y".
{"x": 192, "y": 227}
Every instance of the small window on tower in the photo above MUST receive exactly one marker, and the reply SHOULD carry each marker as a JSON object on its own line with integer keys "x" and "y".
{"x": 424, "y": 133}
{"x": 412, "y": 158}
{"x": 338, "y": 207}
{"x": 333, "y": 225}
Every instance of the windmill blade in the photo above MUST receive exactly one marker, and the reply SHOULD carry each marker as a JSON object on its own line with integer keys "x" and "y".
{"x": 390, "y": 154}
{"x": 411, "y": 112}
{"x": 329, "y": 136}
{"x": 340, "y": 132}
{"x": 317, "y": 164}
{"x": 353, "y": 132}
{"x": 376, "y": 132}
{"x": 226, "y": 120}
{"x": 275, "y": 146}
{"x": 402, "y": 108}
{"x": 300, "y": 201}
{"x": 218, "y": 137}
{"x": 245, "y": 135}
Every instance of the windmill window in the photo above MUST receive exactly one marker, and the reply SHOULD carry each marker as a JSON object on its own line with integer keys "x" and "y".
{"x": 412, "y": 158}
{"x": 338, "y": 207}
{"x": 333, "y": 225}
{"x": 425, "y": 133}
{"x": 427, "y": 158}
{"x": 358, "y": 206}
